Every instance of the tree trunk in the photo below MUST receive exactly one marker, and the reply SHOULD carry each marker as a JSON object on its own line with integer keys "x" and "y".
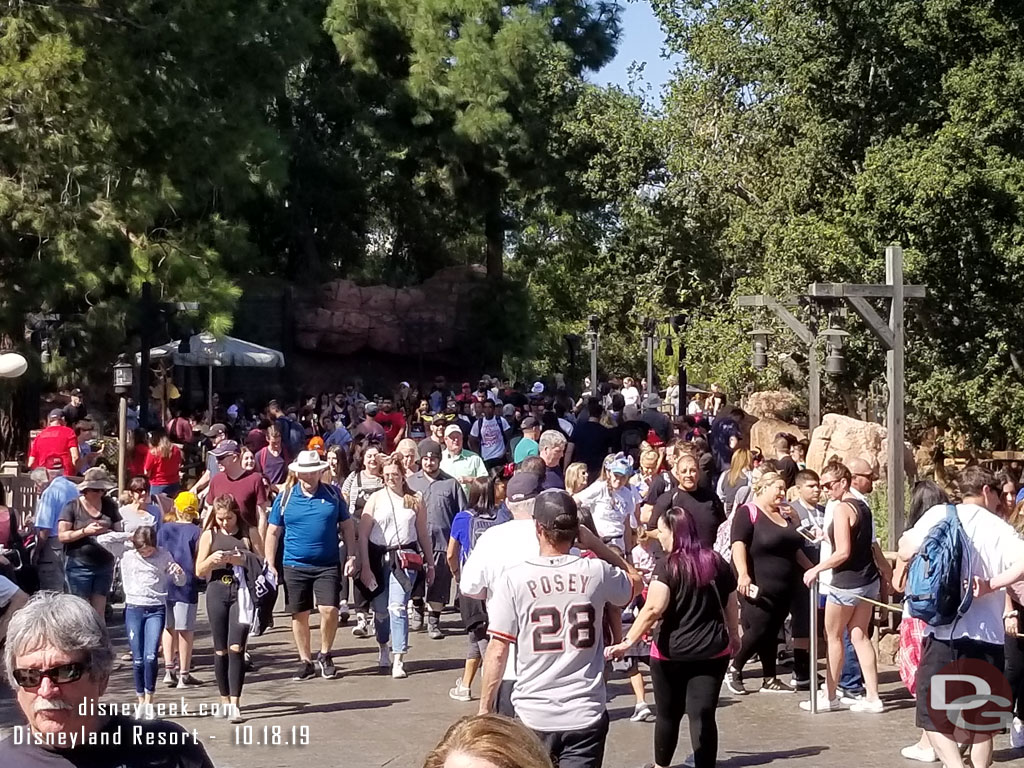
{"x": 17, "y": 415}
{"x": 494, "y": 232}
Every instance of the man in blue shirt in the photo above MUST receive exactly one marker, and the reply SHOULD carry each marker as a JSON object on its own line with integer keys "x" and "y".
{"x": 55, "y": 491}
{"x": 311, "y": 514}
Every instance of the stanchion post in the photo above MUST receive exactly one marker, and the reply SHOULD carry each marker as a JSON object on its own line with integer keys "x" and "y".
{"x": 814, "y": 647}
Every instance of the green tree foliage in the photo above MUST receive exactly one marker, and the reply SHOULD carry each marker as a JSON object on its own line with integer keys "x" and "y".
{"x": 806, "y": 136}
{"x": 131, "y": 134}
{"x": 466, "y": 93}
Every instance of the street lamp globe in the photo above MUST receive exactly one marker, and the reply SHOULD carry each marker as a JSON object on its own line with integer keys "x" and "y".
{"x": 12, "y": 365}
{"x": 123, "y": 375}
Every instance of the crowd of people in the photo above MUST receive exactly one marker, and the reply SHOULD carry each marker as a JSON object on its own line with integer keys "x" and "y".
{"x": 581, "y": 538}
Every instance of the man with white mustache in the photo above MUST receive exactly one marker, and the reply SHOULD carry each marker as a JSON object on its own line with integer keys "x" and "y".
{"x": 58, "y": 659}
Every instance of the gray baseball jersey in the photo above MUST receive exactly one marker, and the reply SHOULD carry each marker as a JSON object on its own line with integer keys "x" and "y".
{"x": 552, "y": 608}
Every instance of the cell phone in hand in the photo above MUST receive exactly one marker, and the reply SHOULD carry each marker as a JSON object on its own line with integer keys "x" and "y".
{"x": 753, "y": 591}
{"x": 807, "y": 531}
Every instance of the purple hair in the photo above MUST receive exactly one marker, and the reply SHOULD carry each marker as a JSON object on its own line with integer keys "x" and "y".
{"x": 689, "y": 561}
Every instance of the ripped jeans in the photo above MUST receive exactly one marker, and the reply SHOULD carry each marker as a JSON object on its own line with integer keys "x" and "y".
{"x": 391, "y": 614}
{"x": 144, "y": 624}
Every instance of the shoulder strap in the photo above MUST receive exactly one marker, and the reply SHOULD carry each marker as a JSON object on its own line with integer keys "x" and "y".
{"x": 752, "y": 511}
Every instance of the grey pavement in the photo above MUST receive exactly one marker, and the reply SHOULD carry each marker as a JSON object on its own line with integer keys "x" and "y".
{"x": 366, "y": 719}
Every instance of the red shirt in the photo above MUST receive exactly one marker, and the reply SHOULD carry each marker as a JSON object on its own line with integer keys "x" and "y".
{"x": 393, "y": 424}
{"x": 137, "y": 461}
{"x": 53, "y": 443}
{"x": 161, "y": 471}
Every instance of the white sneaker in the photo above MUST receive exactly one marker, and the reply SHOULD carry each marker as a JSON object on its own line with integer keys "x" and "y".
{"x": 824, "y": 704}
{"x": 1017, "y": 734}
{"x": 383, "y": 655}
{"x": 398, "y": 669}
{"x": 922, "y": 755}
{"x": 362, "y": 627}
{"x": 850, "y": 700}
{"x": 235, "y": 714}
{"x": 169, "y": 678}
{"x": 460, "y": 692}
{"x": 875, "y": 707}
{"x": 642, "y": 714}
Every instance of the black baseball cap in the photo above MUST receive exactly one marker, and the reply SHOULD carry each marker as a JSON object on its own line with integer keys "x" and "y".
{"x": 556, "y": 510}
{"x": 429, "y": 448}
{"x": 522, "y": 487}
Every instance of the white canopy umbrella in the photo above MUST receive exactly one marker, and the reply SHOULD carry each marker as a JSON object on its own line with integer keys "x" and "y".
{"x": 209, "y": 351}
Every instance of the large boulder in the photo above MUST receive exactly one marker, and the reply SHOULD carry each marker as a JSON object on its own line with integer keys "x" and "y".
{"x": 764, "y": 430}
{"x": 773, "y": 404}
{"x": 849, "y": 438}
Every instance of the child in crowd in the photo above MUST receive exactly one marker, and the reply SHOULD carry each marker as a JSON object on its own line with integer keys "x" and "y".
{"x": 179, "y": 535}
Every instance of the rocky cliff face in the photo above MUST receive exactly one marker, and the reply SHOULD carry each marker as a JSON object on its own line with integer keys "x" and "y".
{"x": 342, "y": 318}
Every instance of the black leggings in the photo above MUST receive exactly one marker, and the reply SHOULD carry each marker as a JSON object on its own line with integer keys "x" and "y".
{"x": 1014, "y": 649}
{"x": 762, "y": 619}
{"x": 687, "y": 688}
{"x": 222, "y": 610}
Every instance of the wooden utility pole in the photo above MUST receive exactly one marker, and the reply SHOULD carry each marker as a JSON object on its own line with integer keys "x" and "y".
{"x": 891, "y": 334}
{"x": 809, "y": 336}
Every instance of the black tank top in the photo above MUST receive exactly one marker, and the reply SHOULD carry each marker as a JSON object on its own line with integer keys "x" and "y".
{"x": 859, "y": 570}
{"x": 225, "y": 542}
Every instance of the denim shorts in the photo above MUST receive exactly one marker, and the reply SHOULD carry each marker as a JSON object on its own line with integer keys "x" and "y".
{"x": 848, "y": 597}
{"x": 88, "y": 580}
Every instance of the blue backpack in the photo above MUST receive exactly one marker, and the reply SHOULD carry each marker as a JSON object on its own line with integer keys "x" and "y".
{"x": 935, "y": 593}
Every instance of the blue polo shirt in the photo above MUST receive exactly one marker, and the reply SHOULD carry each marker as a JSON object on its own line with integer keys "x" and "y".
{"x": 57, "y": 494}
{"x": 310, "y": 525}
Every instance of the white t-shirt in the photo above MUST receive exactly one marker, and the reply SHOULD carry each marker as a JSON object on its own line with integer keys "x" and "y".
{"x": 995, "y": 547}
{"x": 631, "y": 395}
{"x": 611, "y": 511}
{"x": 825, "y": 577}
{"x": 394, "y": 524}
{"x": 694, "y": 408}
{"x": 490, "y": 432}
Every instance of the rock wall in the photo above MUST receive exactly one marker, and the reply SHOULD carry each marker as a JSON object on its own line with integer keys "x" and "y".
{"x": 342, "y": 317}
{"x": 773, "y": 404}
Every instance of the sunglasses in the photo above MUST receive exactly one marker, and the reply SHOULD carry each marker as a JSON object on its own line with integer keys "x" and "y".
{"x": 61, "y": 675}
{"x": 829, "y": 484}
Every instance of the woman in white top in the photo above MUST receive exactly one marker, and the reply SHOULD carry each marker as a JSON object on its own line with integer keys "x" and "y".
{"x": 141, "y": 511}
{"x": 146, "y": 571}
{"x": 629, "y": 391}
{"x": 392, "y": 523}
{"x": 613, "y": 503}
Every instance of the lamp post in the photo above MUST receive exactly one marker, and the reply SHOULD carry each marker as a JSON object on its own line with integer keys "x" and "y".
{"x": 123, "y": 380}
{"x": 573, "y": 343}
{"x": 592, "y": 338}
{"x": 759, "y": 356}
{"x": 650, "y": 329}
{"x": 835, "y": 363}
{"x": 678, "y": 324}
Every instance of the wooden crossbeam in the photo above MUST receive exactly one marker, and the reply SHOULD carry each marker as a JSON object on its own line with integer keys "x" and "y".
{"x": 863, "y": 290}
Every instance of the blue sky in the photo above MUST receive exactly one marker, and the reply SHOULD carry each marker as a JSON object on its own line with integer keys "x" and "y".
{"x": 642, "y": 42}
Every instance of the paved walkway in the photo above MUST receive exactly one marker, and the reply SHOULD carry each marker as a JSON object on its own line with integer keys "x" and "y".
{"x": 363, "y": 719}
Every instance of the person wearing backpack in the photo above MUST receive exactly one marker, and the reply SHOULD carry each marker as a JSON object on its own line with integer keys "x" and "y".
{"x": 966, "y": 624}
{"x": 855, "y": 575}
{"x": 486, "y": 509}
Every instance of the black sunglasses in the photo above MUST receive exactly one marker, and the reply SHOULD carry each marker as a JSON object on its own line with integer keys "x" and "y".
{"x": 61, "y": 675}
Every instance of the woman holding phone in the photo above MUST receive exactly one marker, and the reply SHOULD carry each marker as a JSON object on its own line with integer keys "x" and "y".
{"x": 767, "y": 553}
{"x": 223, "y": 558}
{"x": 90, "y": 566}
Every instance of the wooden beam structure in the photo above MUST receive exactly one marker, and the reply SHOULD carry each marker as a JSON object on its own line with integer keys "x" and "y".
{"x": 807, "y": 335}
{"x": 892, "y": 336}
